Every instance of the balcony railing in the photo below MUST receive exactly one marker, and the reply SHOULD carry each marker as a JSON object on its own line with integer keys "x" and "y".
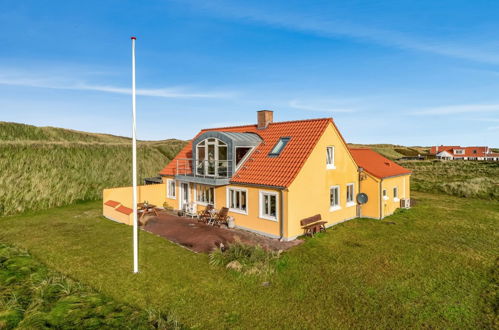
{"x": 218, "y": 169}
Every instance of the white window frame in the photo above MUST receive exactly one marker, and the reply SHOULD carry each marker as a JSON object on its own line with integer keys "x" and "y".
{"x": 352, "y": 202}
{"x": 196, "y": 190}
{"x": 384, "y": 194}
{"x": 168, "y": 189}
{"x": 228, "y": 193}
{"x": 262, "y": 194}
{"x": 396, "y": 195}
{"x": 337, "y": 206}
{"x": 330, "y": 166}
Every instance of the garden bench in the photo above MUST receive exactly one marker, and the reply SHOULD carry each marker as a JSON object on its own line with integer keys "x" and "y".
{"x": 312, "y": 225}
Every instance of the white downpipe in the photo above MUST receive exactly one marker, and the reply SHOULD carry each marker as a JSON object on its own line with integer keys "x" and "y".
{"x": 134, "y": 169}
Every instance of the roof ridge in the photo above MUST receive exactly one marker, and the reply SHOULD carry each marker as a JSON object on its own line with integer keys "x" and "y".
{"x": 273, "y": 123}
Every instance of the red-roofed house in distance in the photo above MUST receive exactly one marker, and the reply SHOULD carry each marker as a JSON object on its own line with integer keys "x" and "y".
{"x": 464, "y": 153}
{"x": 271, "y": 175}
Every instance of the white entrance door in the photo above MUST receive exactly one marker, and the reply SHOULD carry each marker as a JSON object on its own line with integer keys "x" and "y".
{"x": 184, "y": 194}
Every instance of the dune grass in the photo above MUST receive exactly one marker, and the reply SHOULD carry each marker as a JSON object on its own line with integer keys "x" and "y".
{"x": 48, "y": 167}
{"x": 428, "y": 267}
{"x": 476, "y": 179}
{"x": 34, "y": 297}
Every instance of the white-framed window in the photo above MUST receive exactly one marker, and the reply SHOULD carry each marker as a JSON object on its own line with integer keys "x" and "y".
{"x": 237, "y": 200}
{"x": 268, "y": 205}
{"x": 205, "y": 194}
{"x": 330, "y": 157}
{"x": 170, "y": 188}
{"x": 385, "y": 197}
{"x": 459, "y": 152}
{"x": 396, "y": 193}
{"x": 334, "y": 198}
{"x": 350, "y": 194}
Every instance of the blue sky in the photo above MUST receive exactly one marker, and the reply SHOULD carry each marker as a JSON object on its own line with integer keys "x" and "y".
{"x": 403, "y": 72}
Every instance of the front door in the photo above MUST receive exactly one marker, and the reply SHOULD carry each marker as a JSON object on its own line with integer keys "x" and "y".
{"x": 184, "y": 194}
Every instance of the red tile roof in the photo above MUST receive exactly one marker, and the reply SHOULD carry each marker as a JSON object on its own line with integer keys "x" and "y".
{"x": 375, "y": 164}
{"x": 468, "y": 151}
{"x": 124, "y": 210}
{"x": 261, "y": 169}
{"x": 112, "y": 203}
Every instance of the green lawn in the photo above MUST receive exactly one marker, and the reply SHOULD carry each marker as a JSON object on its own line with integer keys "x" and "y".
{"x": 431, "y": 266}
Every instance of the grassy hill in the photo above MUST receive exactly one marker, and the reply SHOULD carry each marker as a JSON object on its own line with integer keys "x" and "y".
{"x": 476, "y": 179}
{"x": 44, "y": 167}
{"x": 393, "y": 151}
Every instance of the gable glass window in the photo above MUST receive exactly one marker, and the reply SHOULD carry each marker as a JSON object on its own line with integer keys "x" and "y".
{"x": 334, "y": 198}
{"x": 170, "y": 188}
{"x": 350, "y": 193}
{"x": 268, "y": 205}
{"x": 330, "y": 157}
{"x": 241, "y": 152}
{"x": 205, "y": 194}
{"x": 237, "y": 200}
{"x": 211, "y": 158}
{"x": 395, "y": 193}
{"x": 279, "y": 147}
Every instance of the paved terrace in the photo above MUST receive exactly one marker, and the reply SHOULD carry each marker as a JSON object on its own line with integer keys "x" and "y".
{"x": 200, "y": 237}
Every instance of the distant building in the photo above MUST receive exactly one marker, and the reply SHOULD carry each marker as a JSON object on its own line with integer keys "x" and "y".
{"x": 463, "y": 153}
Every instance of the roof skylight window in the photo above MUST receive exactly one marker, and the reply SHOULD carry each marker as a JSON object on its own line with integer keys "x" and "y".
{"x": 276, "y": 151}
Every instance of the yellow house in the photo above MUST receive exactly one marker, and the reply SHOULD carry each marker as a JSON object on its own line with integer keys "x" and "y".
{"x": 386, "y": 183}
{"x": 273, "y": 174}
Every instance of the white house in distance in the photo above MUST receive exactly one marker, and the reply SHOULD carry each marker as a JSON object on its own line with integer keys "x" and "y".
{"x": 463, "y": 153}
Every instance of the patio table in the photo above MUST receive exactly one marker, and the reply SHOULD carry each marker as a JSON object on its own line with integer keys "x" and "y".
{"x": 213, "y": 215}
{"x": 146, "y": 209}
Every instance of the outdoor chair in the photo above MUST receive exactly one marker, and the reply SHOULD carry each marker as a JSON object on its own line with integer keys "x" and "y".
{"x": 205, "y": 215}
{"x": 221, "y": 217}
{"x": 189, "y": 210}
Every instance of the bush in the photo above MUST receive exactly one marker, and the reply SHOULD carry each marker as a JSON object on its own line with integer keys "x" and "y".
{"x": 247, "y": 259}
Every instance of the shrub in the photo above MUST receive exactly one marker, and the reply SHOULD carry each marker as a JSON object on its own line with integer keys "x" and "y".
{"x": 253, "y": 260}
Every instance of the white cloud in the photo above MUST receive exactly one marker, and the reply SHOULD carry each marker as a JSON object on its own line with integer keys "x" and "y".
{"x": 458, "y": 109}
{"x": 317, "y": 24}
{"x": 296, "y": 104}
{"x": 58, "y": 83}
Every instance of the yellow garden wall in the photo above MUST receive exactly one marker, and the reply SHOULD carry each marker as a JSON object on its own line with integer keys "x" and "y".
{"x": 309, "y": 194}
{"x": 154, "y": 194}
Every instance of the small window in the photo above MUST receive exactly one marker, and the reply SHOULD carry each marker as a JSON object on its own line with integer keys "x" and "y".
{"x": 384, "y": 194}
{"x": 170, "y": 189}
{"x": 279, "y": 146}
{"x": 334, "y": 197}
{"x": 237, "y": 200}
{"x": 330, "y": 157}
{"x": 350, "y": 193}
{"x": 268, "y": 205}
{"x": 396, "y": 192}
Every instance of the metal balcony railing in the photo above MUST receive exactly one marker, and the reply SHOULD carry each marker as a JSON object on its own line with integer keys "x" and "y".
{"x": 218, "y": 169}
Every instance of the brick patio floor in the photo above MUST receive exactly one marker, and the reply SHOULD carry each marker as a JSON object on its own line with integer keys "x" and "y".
{"x": 200, "y": 237}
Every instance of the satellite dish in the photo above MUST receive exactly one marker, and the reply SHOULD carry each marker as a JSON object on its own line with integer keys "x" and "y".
{"x": 362, "y": 198}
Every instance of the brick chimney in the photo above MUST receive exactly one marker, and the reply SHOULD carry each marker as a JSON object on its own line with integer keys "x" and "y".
{"x": 265, "y": 117}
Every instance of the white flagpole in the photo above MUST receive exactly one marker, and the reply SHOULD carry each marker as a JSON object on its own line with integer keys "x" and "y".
{"x": 134, "y": 169}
